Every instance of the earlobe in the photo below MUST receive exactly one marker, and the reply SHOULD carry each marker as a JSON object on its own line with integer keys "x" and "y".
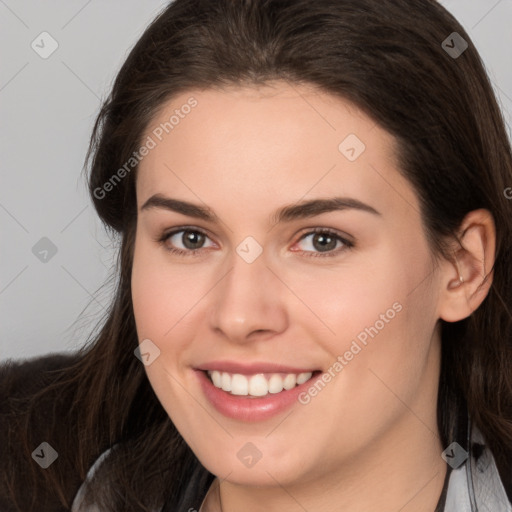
{"x": 467, "y": 278}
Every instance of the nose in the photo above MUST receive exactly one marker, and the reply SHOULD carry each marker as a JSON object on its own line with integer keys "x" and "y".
{"x": 249, "y": 302}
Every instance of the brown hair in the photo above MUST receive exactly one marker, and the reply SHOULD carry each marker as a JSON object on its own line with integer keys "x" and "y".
{"x": 387, "y": 58}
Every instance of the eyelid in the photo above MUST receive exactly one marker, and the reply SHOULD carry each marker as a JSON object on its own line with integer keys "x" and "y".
{"x": 319, "y": 229}
{"x": 347, "y": 241}
{"x": 178, "y": 229}
{"x": 166, "y": 235}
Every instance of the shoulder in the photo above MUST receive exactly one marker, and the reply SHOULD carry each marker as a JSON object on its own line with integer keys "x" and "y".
{"x": 21, "y": 377}
{"x": 195, "y": 488}
{"x": 23, "y": 389}
{"x": 33, "y": 412}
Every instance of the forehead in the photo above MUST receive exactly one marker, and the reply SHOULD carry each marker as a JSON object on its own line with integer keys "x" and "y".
{"x": 281, "y": 141}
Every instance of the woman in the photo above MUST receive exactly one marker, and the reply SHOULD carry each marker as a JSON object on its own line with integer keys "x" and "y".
{"x": 314, "y": 294}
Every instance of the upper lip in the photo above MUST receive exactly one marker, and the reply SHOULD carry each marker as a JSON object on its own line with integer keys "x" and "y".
{"x": 251, "y": 368}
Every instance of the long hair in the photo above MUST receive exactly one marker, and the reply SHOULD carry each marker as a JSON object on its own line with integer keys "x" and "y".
{"x": 385, "y": 57}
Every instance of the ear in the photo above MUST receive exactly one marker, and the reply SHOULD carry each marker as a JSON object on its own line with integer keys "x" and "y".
{"x": 467, "y": 277}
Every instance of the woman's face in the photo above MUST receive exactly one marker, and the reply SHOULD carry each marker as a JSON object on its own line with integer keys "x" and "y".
{"x": 255, "y": 292}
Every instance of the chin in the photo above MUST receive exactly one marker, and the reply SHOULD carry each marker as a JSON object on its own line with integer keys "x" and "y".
{"x": 239, "y": 469}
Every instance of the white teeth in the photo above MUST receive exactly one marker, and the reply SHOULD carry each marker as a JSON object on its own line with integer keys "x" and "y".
{"x": 258, "y": 384}
{"x": 303, "y": 377}
{"x": 239, "y": 384}
{"x": 226, "y": 381}
{"x": 290, "y": 381}
{"x": 216, "y": 378}
{"x": 275, "y": 384}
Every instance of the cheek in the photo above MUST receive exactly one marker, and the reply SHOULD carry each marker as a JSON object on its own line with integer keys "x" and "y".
{"x": 346, "y": 299}
{"x": 377, "y": 315}
{"x": 163, "y": 294}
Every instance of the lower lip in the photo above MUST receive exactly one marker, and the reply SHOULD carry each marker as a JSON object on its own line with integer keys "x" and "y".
{"x": 245, "y": 408}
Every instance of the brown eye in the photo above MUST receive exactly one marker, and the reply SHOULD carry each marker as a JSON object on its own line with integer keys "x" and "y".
{"x": 185, "y": 241}
{"x": 323, "y": 242}
{"x": 192, "y": 239}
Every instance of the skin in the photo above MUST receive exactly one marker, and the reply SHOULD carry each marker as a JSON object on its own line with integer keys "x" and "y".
{"x": 369, "y": 439}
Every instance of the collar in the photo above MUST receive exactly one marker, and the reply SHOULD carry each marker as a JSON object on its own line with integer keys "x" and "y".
{"x": 474, "y": 484}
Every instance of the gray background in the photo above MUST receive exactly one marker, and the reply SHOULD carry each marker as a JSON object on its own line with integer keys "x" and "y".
{"x": 47, "y": 110}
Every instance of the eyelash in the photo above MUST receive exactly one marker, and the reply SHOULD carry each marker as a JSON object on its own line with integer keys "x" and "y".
{"x": 197, "y": 252}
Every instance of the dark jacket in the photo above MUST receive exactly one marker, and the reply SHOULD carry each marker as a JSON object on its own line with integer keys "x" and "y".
{"x": 472, "y": 484}
{"x": 19, "y": 380}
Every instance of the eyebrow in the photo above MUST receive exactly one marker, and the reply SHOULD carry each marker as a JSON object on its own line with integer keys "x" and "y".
{"x": 301, "y": 210}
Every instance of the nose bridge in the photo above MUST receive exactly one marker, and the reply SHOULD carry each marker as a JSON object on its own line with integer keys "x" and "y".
{"x": 247, "y": 299}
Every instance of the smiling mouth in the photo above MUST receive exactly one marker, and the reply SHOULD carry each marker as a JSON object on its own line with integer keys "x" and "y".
{"x": 258, "y": 384}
